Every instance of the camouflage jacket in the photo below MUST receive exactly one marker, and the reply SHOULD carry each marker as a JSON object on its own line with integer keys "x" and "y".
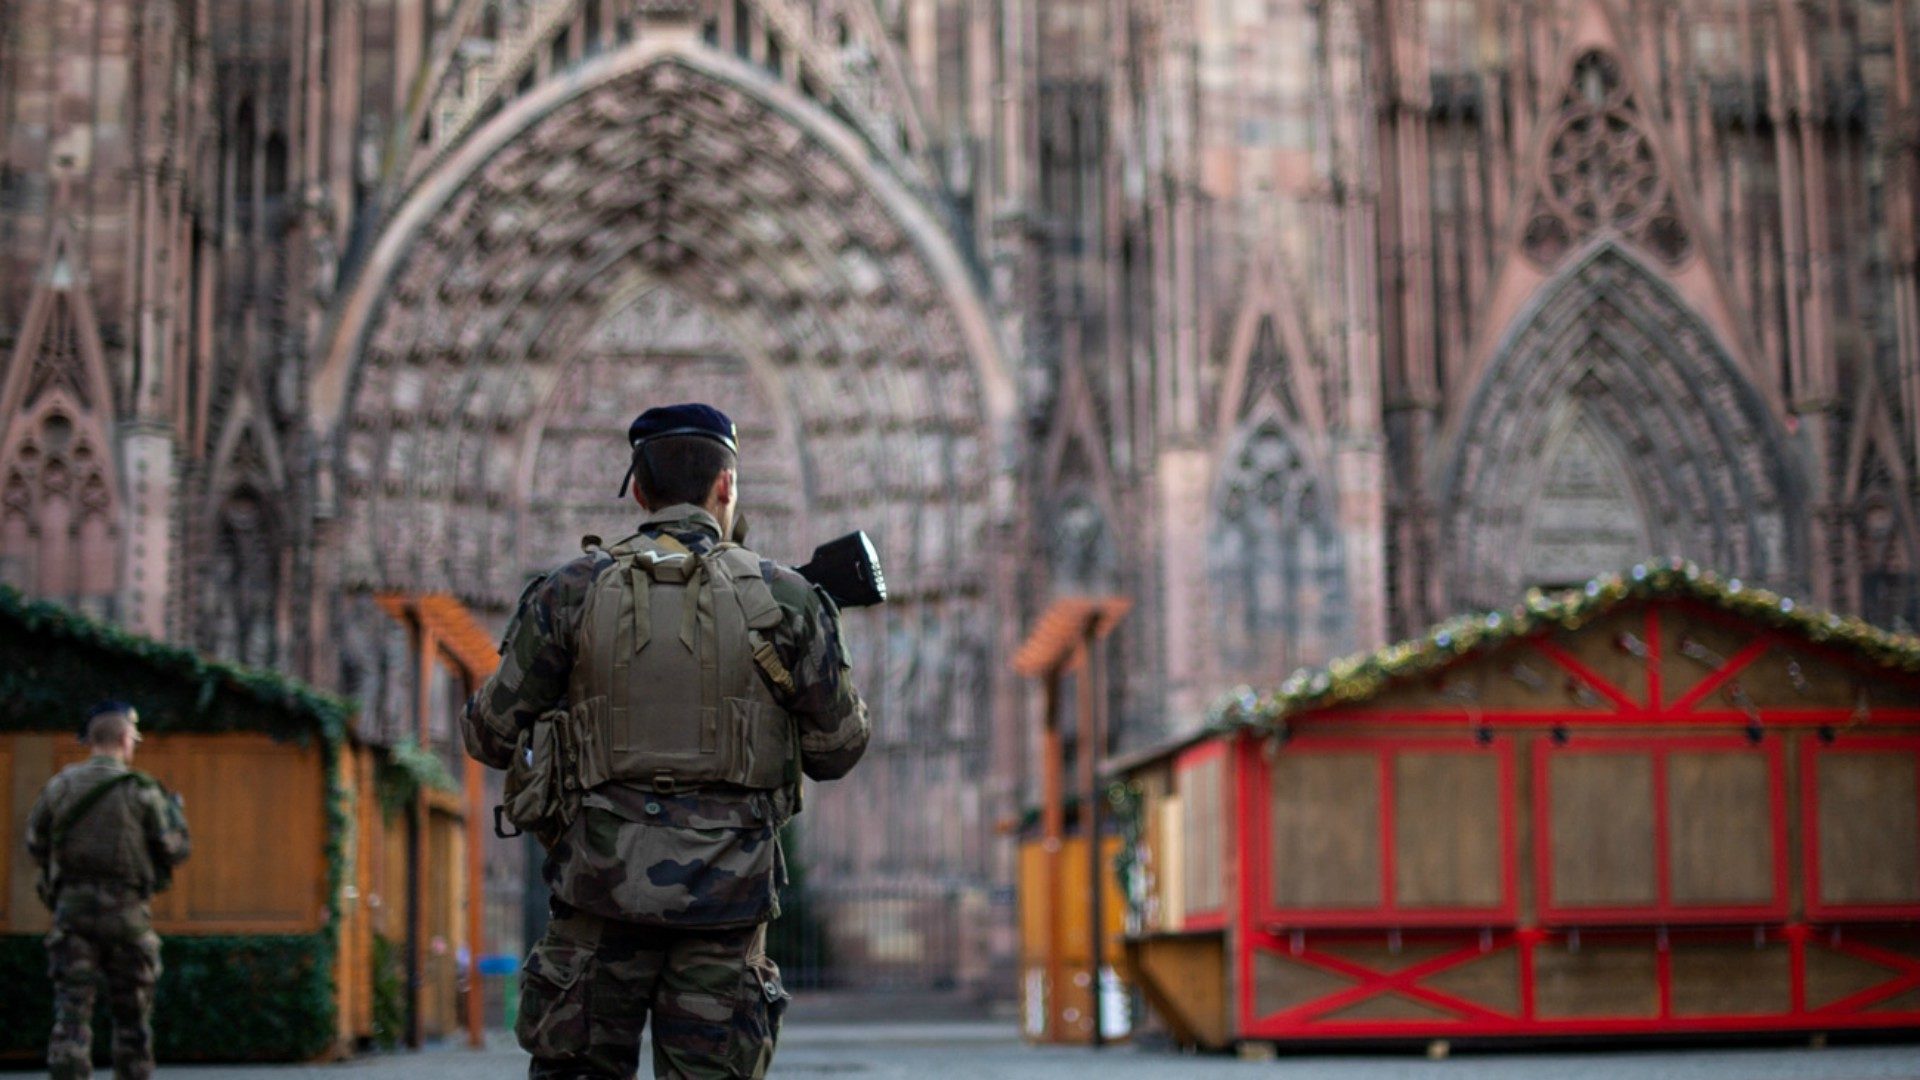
{"x": 703, "y": 858}
{"x": 131, "y": 838}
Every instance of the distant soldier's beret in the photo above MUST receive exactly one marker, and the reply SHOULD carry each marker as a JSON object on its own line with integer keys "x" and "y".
{"x": 668, "y": 421}
{"x": 690, "y": 419}
{"x": 108, "y": 708}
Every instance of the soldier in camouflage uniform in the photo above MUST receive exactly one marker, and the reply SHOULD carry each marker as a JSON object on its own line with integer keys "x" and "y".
{"x": 106, "y": 838}
{"x": 667, "y": 870}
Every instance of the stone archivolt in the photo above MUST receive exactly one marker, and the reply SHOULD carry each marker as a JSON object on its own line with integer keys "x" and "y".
{"x": 664, "y": 174}
{"x": 1609, "y": 348}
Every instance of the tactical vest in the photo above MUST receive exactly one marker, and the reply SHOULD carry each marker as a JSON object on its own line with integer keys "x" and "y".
{"x": 102, "y": 839}
{"x": 670, "y": 680}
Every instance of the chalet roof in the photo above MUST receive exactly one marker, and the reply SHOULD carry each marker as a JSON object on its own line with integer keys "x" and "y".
{"x": 1357, "y": 678}
{"x": 1354, "y": 679}
{"x": 58, "y": 663}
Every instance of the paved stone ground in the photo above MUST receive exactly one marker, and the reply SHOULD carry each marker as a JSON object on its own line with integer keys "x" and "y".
{"x": 899, "y": 1051}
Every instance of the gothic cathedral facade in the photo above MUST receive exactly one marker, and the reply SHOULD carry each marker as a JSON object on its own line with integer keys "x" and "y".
{"x": 1302, "y": 323}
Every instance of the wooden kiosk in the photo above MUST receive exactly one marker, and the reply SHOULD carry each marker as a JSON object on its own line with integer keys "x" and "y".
{"x": 1663, "y": 804}
{"x": 301, "y": 877}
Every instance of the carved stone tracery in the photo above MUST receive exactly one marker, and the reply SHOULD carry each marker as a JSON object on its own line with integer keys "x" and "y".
{"x": 1601, "y": 171}
{"x": 59, "y": 502}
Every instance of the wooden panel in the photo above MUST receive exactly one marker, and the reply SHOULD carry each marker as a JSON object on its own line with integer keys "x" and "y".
{"x": 1035, "y": 904}
{"x": 1906, "y": 1003}
{"x": 1070, "y": 902}
{"x": 1869, "y": 827}
{"x": 354, "y": 964}
{"x": 1281, "y": 983}
{"x": 1602, "y": 835}
{"x": 1595, "y": 646}
{"x": 1185, "y": 980}
{"x": 1692, "y": 648}
{"x": 1169, "y": 854}
{"x": 1731, "y": 978}
{"x": 1324, "y": 830}
{"x": 1390, "y": 1007}
{"x": 1492, "y": 982}
{"x": 257, "y": 815}
{"x": 1203, "y": 834}
{"x": 1834, "y": 975}
{"x": 1797, "y": 679}
{"x": 256, "y": 808}
{"x": 445, "y": 921}
{"x": 1446, "y": 828}
{"x": 390, "y": 865}
{"x": 32, "y": 768}
{"x": 1599, "y": 978}
{"x": 1720, "y": 827}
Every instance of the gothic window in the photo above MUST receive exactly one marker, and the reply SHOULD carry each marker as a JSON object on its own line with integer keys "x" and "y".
{"x": 1889, "y": 588}
{"x": 1080, "y": 550}
{"x": 1889, "y": 581}
{"x": 56, "y": 528}
{"x": 239, "y": 613}
{"x": 1279, "y": 579}
{"x": 1600, "y": 171}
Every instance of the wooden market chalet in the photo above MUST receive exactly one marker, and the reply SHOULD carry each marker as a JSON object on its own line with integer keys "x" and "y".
{"x": 1662, "y": 804}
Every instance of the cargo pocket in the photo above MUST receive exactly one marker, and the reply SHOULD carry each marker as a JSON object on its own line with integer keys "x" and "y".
{"x": 554, "y": 1019}
{"x": 757, "y": 1020}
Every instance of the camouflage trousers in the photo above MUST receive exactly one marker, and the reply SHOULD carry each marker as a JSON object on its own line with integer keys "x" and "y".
{"x": 100, "y": 938}
{"x": 590, "y": 984}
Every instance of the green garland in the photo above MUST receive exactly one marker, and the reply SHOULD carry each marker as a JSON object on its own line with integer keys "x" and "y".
{"x": 403, "y": 771}
{"x": 55, "y": 659}
{"x": 389, "y": 993}
{"x": 1357, "y": 678}
{"x": 1125, "y": 803}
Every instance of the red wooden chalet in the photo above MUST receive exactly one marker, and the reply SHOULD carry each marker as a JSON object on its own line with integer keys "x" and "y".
{"x": 1664, "y": 804}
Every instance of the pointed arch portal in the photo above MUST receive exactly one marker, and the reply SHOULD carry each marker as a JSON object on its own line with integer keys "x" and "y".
{"x": 1611, "y": 398}
{"x": 665, "y": 223}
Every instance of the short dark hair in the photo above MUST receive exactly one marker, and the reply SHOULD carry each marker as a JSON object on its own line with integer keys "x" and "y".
{"x": 679, "y": 468}
{"x": 108, "y": 723}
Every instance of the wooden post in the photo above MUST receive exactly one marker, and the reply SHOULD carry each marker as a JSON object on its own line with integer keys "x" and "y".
{"x": 418, "y": 840}
{"x": 1094, "y": 691}
{"x": 476, "y": 937}
{"x": 1087, "y": 751}
{"x": 1053, "y": 816}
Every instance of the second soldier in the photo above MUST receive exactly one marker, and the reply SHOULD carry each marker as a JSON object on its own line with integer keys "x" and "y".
{"x": 689, "y": 684}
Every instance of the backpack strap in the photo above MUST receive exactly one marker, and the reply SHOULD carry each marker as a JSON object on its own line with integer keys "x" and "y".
{"x": 88, "y": 801}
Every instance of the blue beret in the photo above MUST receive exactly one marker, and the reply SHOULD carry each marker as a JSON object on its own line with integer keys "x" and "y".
{"x": 690, "y": 419}
{"x": 693, "y": 418}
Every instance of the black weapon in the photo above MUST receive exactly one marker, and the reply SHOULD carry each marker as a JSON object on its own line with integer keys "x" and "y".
{"x": 848, "y": 569}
